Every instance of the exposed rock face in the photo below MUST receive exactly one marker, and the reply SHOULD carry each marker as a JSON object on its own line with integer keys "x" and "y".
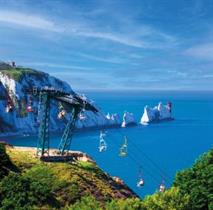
{"x": 158, "y": 113}
{"x": 128, "y": 119}
{"x": 15, "y": 83}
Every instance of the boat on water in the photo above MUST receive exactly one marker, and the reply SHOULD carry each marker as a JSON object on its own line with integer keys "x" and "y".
{"x": 158, "y": 113}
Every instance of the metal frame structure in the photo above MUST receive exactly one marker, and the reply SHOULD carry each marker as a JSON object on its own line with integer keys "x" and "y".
{"x": 43, "y": 137}
{"x": 73, "y": 101}
{"x": 66, "y": 139}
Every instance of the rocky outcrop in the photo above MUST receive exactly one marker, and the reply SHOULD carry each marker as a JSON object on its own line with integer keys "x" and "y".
{"x": 128, "y": 119}
{"x": 158, "y": 113}
{"x": 18, "y": 116}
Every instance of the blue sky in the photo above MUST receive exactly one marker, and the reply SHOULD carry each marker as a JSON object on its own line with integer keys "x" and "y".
{"x": 112, "y": 44}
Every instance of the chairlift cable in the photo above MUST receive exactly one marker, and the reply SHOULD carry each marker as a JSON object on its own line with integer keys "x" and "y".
{"x": 163, "y": 174}
{"x": 145, "y": 164}
{"x": 139, "y": 165}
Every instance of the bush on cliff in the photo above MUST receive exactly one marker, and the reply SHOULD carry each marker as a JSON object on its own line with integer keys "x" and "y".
{"x": 19, "y": 192}
{"x": 5, "y": 163}
{"x": 197, "y": 182}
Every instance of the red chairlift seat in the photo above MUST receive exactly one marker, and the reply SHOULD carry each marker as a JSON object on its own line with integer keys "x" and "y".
{"x": 29, "y": 108}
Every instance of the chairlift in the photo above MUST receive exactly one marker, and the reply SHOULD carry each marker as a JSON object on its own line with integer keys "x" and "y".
{"x": 102, "y": 143}
{"x": 82, "y": 115}
{"x": 102, "y": 146}
{"x": 162, "y": 187}
{"x": 62, "y": 111}
{"x": 30, "y": 103}
{"x": 140, "y": 182}
{"x": 9, "y": 106}
{"x": 123, "y": 148}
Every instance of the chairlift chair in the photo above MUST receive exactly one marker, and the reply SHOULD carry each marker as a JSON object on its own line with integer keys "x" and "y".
{"x": 102, "y": 146}
{"x": 82, "y": 115}
{"x": 29, "y": 108}
{"x": 123, "y": 149}
{"x": 102, "y": 143}
{"x": 140, "y": 182}
{"x": 30, "y": 104}
{"x": 162, "y": 187}
{"x": 62, "y": 112}
{"x": 9, "y": 106}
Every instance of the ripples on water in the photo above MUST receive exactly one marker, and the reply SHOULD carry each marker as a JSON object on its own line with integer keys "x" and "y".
{"x": 165, "y": 147}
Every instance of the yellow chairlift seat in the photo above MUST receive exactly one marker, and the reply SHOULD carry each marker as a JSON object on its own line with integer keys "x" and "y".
{"x": 123, "y": 150}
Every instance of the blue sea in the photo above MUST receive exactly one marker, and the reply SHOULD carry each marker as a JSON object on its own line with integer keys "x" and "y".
{"x": 159, "y": 149}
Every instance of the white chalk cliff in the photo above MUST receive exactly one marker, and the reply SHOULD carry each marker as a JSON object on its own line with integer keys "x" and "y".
{"x": 158, "y": 113}
{"x": 14, "y": 83}
{"x": 128, "y": 119}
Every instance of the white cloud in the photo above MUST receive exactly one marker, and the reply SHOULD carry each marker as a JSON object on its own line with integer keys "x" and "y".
{"x": 208, "y": 76}
{"x": 114, "y": 37}
{"x": 55, "y": 65}
{"x": 28, "y": 20}
{"x": 203, "y": 51}
{"x": 143, "y": 36}
{"x": 114, "y": 60}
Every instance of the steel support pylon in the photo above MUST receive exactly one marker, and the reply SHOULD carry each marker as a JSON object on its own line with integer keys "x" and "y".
{"x": 66, "y": 139}
{"x": 43, "y": 138}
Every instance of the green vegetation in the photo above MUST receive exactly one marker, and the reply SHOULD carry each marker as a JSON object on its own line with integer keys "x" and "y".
{"x": 28, "y": 183}
{"x": 171, "y": 199}
{"x": 54, "y": 185}
{"x": 21, "y": 192}
{"x": 19, "y": 72}
{"x": 197, "y": 182}
{"x": 5, "y": 163}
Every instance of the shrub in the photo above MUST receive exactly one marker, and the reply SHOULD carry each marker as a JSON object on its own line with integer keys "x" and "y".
{"x": 5, "y": 163}
{"x": 86, "y": 203}
{"x": 198, "y": 182}
{"x": 171, "y": 199}
{"x": 19, "y": 192}
{"x": 128, "y": 204}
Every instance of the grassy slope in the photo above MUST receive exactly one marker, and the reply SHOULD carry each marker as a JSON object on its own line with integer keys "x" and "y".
{"x": 70, "y": 182}
{"x": 19, "y": 72}
{"x": 83, "y": 186}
